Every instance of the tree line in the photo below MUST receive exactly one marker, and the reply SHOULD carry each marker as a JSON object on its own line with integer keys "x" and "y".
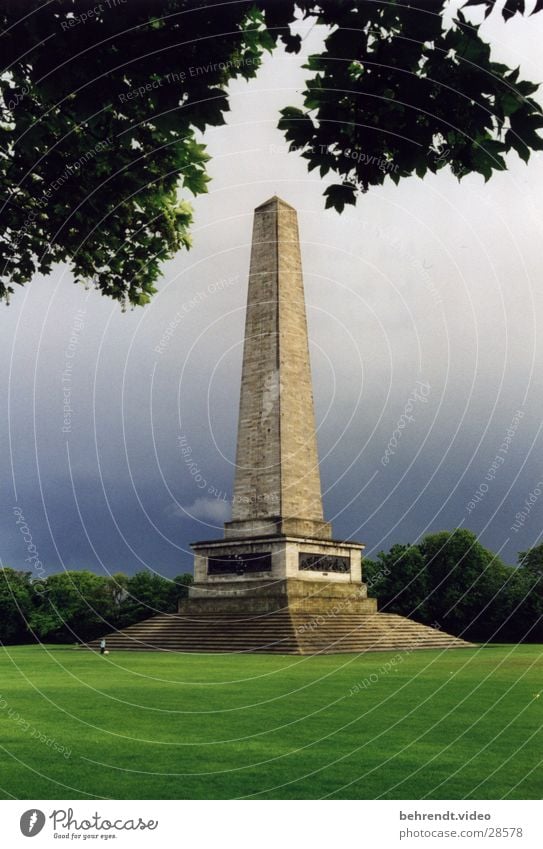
{"x": 78, "y": 606}
{"x": 450, "y": 581}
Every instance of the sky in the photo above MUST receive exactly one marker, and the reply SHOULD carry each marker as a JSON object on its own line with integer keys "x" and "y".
{"x": 424, "y": 308}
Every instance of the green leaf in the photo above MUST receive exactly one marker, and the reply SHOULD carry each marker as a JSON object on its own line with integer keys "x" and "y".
{"x": 290, "y": 113}
{"x": 512, "y": 140}
{"x": 510, "y": 103}
{"x": 338, "y": 195}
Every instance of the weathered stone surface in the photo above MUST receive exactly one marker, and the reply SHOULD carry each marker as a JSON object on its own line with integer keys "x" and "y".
{"x": 298, "y": 596}
{"x": 279, "y": 632}
{"x": 277, "y": 484}
{"x": 277, "y": 504}
{"x": 285, "y": 553}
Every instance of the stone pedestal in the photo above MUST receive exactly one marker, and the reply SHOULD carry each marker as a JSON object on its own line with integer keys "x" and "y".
{"x": 320, "y": 598}
{"x": 267, "y": 573}
{"x": 276, "y": 557}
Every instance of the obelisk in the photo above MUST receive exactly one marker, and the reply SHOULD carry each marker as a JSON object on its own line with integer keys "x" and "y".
{"x": 277, "y": 485}
{"x": 277, "y": 543}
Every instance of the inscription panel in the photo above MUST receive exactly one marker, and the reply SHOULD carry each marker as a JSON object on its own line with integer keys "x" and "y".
{"x": 239, "y": 564}
{"x": 323, "y": 563}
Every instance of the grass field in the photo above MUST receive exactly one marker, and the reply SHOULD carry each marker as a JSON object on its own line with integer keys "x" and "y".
{"x": 458, "y": 724}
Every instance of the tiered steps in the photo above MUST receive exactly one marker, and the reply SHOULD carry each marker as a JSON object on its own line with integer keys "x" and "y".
{"x": 280, "y": 632}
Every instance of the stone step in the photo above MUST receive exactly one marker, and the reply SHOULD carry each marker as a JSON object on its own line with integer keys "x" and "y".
{"x": 280, "y": 632}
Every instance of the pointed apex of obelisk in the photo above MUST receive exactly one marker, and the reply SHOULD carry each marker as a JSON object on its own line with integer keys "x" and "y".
{"x": 274, "y": 201}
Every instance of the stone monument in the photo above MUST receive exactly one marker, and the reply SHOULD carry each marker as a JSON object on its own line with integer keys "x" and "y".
{"x": 277, "y": 550}
{"x": 277, "y": 581}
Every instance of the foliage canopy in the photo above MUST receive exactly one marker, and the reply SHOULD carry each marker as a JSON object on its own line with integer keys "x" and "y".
{"x": 102, "y": 111}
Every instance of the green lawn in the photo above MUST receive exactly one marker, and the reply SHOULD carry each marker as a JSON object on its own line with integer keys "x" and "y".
{"x": 458, "y": 724}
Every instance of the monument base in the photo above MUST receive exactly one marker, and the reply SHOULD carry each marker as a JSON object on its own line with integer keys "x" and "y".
{"x": 287, "y": 594}
{"x": 261, "y": 609}
{"x": 269, "y": 558}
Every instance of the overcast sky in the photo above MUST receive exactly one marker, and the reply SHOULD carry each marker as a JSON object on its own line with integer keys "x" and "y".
{"x": 427, "y": 296}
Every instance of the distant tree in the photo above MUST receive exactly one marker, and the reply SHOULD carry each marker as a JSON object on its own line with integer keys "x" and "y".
{"x": 47, "y": 624}
{"x": 148, "y": 594}
{"x": 118, "y": 587}
{"x": 180, "y": 588}
{"x": 529, "y": 581}
{"x": 101, "y": 109}
{"x": 117, "y": 590}
{"x": 74, "y": 606}
{"x": 15, "y": 605}
{"x": 461, "y": 580}
{"x": 398, "y": 579}
{"x": 532, "y": 560}
{"x": 450, "y": 580}
{"x": 78, "y": 606}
